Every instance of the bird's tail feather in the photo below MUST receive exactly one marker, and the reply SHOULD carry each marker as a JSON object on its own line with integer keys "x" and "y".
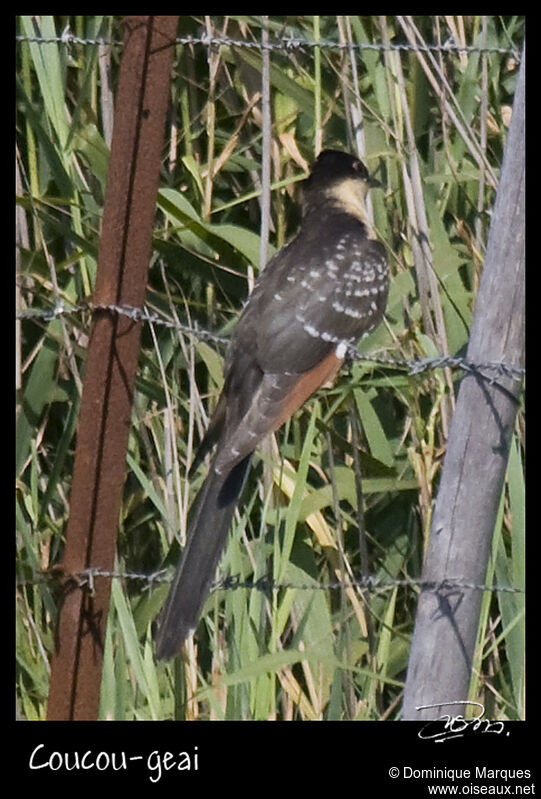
{"x": 207, "y": 534}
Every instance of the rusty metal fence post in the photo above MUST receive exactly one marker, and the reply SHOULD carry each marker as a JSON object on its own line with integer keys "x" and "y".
{"x": 102, "y": 437}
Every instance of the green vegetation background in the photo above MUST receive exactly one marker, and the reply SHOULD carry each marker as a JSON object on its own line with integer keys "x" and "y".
{"x": 431, "y": 126}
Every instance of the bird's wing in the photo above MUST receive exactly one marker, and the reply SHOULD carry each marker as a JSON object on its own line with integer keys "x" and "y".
{"x": 290, "y": 337}
{"x": 335, "y": 295}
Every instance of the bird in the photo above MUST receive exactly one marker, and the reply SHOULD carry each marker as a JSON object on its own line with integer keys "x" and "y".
{"x": 315, "y": 299}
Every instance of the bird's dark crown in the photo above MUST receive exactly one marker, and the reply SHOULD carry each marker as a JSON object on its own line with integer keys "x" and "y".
{"x": 333, "y": 165}
{"x": 338, "y": 183}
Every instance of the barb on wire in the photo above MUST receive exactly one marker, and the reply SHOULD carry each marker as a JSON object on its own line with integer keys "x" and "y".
{"x": 266, "y": 583}
{"x": 489, "y": 371}
{"x": 286, "y": 44}
{"x": 418, "y": 366}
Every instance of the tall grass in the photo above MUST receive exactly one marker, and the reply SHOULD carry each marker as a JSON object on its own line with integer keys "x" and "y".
{"x": 432, "y": 127}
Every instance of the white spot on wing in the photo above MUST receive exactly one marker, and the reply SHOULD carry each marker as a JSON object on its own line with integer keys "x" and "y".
{"x": 341, "y": 349}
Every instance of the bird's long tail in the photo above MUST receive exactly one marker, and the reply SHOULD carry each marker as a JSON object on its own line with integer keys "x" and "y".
{"x": 207, "y": 534}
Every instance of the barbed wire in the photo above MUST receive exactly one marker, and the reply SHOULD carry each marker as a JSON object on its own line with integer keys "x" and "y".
{"x": 266, "y": 583}
{"x": 130, "y": 311}
{"x": 489, "y": 370}
{"x": 371, "y": 583}
{"x": 286, "y": 44}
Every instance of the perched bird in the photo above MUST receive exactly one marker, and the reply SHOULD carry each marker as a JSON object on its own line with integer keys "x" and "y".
{"x": 315, "y": 298}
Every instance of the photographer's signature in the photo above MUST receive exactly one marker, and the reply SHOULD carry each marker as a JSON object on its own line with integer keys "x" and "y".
{"x": 458, "y": 726}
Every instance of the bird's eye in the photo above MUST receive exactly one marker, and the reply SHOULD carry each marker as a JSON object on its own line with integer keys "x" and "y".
{"x": 359, "y": 167}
